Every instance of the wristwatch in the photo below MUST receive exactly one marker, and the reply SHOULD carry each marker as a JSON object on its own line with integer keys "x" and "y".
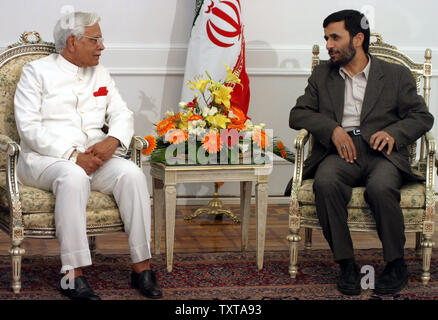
{"x": 74, "y": 156}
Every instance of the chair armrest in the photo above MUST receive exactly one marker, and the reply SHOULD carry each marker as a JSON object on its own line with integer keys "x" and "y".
{"x": 4, "y": 142}
{"x": 300, "y": 141}
{"x": 138, "y": 144}
{"x": 12, "y": 150}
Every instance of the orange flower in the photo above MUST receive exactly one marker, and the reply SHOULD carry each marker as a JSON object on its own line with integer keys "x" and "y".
{"x": 259, "y": 138}
{"x": 195, "y": 117}
{"x": 212, "y": 142}
{"x": 236, "y": 126}
{"x": 177, "y": 136}
{"x": 165, "y": 126}
{"x": 240, "y": 115}
{"x": 152, "y": 145}
{"x": 176, "y": 117}
{"x": 280, "y": 145}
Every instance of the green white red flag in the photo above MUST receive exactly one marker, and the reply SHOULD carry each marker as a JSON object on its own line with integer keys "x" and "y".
{"x": 217, "y": 38}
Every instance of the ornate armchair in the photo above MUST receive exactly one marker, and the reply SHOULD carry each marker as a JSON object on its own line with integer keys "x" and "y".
{"x": 27, "y": 212}
{"x": 417, "y": 199}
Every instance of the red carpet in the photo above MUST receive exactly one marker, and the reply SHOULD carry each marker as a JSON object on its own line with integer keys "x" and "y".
{"x": 219, "y": 275}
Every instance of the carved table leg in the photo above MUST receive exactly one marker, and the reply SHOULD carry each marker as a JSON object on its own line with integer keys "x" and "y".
{"x": 158, "y": 196}
{"x": 170, "y": 200}
{"x": 261, "y": 209}
{"x": 245, "y": 206}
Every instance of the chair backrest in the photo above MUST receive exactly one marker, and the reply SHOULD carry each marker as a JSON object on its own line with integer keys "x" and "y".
{"x": 30, "y": 47}
{"x": 422, "y": 73}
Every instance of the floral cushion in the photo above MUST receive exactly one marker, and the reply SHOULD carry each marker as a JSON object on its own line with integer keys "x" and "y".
{"x": 10, "y": 74}
{"x": 38, "y": 206}
{"x": 413, "y": 198}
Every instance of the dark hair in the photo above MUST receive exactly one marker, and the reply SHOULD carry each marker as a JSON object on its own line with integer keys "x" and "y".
{"x": 355, "y": 22}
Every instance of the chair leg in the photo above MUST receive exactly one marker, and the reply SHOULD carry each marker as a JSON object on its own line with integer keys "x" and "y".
{"x": 308, "y": 238}
{"x": 16, "y": 254}
{"x": 427, "y": 246}
{"x": 92, "y": 245}
{"x": 418, "y": 239}
{"x": 294, "y": 239}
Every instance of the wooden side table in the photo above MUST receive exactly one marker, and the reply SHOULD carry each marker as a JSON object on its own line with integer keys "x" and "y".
{"x": 165, "y": 179}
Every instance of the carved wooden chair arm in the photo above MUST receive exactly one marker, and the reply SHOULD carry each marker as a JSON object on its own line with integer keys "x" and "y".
{"x": 300, "y": 142}
{"x": 12, "y": 150}
{"x": 138, "y": 144}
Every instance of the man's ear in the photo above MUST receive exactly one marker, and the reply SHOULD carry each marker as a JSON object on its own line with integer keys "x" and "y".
{"x": 71, "y": 43}
{"x": 358, "y": 39}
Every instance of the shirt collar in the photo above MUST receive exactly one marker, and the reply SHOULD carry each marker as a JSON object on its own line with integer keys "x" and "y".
{"x": 67, "y": 66}
{"x": 365, "y": 71}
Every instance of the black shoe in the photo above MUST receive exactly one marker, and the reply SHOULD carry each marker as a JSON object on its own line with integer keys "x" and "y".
{"x": 146, "y": 282}
{"x": 349, "y": 278}
{"x": 393, "y": 278}
{"x": 81, "y": 290}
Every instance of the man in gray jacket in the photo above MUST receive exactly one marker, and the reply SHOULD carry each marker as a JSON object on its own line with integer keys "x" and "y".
{"x": 363, "y": 113}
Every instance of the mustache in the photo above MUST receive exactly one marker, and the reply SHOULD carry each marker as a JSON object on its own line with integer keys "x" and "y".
{"x": 331, "y": 51}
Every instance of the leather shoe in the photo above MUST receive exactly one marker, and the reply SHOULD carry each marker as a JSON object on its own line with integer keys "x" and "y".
{"x": 80, "y": 291}
{"x": 393, "y": 278}
{"x": 146, "y": 282}
{"x": 349, "y": 278}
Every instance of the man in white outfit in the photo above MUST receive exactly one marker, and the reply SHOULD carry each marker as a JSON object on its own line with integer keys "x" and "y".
{"x": 62, "y": 103}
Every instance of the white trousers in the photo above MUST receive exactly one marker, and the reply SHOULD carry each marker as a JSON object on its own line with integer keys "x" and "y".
{"x": 71, "y": 187}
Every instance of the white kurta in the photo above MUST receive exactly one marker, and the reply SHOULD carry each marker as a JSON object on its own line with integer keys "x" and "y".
{"x": 59, "y": 107}
{"x": 56, "y": 111}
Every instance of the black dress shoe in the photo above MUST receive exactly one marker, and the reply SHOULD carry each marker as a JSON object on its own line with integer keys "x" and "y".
{"x": 146, "y": 282}
{"x": 393, "y": 278}
{"x": 81, "y": 290}
{"x": 349, "y": 278}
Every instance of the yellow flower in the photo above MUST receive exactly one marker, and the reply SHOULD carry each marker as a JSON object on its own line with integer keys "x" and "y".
{"x": 200, "y": 85}
{"x": 222, "y": 95}
{"x": 184, "y": 120}
{"x": 219, "y": 121}
{"x": 231, "y": 77}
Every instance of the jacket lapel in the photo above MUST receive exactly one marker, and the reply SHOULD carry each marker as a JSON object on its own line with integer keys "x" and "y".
{"x": 336, "y": 89}
{"x": 374, "y": 88}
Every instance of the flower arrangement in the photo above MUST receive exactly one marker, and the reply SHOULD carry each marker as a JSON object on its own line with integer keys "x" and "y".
{"x": 208, "y": 125}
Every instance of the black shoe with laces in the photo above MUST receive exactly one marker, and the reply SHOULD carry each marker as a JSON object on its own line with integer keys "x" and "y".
{"x": 393, "y": 278}
{"x": 349, "y": 278}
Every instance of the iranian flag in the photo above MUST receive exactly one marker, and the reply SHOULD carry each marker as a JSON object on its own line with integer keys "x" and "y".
{"x": 217, "y": 38}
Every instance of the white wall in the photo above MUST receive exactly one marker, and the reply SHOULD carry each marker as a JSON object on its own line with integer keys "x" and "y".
{"x": 146, "y": 42}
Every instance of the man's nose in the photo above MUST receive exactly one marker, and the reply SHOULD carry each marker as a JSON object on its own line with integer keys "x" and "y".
{"x": 101, "y": 46}
{"x": 329, "y": 44}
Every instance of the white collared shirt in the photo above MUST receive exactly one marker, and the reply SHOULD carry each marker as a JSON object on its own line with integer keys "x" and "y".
{"x": 353, "y": 97}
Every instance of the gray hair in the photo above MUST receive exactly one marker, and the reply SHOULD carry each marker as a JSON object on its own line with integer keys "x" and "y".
{"x": 72, "y": 24}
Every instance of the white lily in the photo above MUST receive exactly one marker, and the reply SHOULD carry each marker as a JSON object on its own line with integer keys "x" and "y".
{"x": 209, "y": 111}
{"x": 169, "y": 113}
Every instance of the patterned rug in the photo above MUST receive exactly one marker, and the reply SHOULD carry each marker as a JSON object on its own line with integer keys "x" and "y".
{"x": 218, "y": 275}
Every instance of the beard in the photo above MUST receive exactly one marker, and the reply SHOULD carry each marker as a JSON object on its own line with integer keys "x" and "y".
{"x": 345, "y": 55}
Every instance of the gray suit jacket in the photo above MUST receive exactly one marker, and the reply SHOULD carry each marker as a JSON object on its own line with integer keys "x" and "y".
{"x": 391, "y": 103}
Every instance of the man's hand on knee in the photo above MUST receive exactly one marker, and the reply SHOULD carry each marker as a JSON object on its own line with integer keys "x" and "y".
{"x": 380, "y": 139}
{"x": 105, "y": 149}
{"x": 344, "y": 144}
{"x": 88, "y": 162}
